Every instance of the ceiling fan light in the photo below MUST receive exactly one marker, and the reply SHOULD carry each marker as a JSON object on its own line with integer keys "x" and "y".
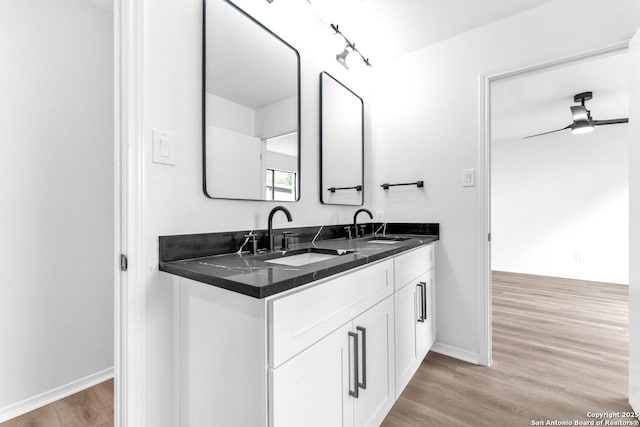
{"x": 579, "y": 113}
{"x": 582, "y": 127}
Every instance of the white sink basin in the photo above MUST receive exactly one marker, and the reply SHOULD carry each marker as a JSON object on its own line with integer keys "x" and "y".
{"x": 301, "y": 259}
{"x": 387, "y": 240}
{"x": 384, "y": 242}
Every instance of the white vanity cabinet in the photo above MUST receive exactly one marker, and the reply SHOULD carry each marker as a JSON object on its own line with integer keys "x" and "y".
{"x": 345, "y": 379}
{"x": 414, "y": 312}
{"x": 359, "y": 355}
{"x": 336, "y": 352}
{"x": 312, "y": 388}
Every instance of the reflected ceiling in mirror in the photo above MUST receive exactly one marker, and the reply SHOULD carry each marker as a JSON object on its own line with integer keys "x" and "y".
{"x": 341, "y": 143}
{"x": 251, "y": 108}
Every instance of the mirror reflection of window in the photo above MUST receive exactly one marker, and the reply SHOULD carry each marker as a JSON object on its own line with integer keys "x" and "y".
{"x": 280, "y": 185}
{"x": 251, "y": 107}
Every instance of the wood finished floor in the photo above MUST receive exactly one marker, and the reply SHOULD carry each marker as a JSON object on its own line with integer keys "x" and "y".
{"x": 92, "y": 407}
{"x": 559, "y": 351}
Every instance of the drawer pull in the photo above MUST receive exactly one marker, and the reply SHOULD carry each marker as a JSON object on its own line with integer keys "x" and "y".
{"x": 354, "y": 393}
{"x": 363, "y": 384}
{"x": 423, "y": 301}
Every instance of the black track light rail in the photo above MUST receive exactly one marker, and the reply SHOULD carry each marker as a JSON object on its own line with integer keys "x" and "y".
{"x": 351, "y": 45}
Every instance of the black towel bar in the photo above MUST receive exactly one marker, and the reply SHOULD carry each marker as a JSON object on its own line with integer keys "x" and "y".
{"x": 355, "y": 187}
{"x": 418, "y": 184}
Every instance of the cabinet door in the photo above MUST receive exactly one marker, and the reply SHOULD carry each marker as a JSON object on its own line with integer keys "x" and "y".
{"x": 376, "y": 373}
{"x": 405, "y": 328}
{"x": 425, "y": 307}
{"x": 312, "y": 389}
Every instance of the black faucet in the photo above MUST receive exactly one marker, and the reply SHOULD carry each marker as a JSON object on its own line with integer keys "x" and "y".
{"x": 270, "y": 223}
{"x": 355, "y": 220}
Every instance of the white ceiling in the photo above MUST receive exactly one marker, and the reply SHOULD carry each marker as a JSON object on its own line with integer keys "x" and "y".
{"x": 384, "y": 29}
{"x": 245, "y": 64}
{"x": 540, "y": 102}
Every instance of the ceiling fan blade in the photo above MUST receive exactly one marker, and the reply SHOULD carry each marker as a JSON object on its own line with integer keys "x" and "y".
{"x": 579, "y": 113}
{"x": 551, "y": 131}
{"x": 610, "y": 122}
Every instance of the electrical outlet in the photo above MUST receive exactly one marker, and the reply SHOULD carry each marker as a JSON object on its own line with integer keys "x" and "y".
{"x": 379, "y": 216}
{"x": 578, "y": 257}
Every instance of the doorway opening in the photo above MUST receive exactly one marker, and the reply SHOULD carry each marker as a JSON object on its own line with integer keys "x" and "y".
{"x": 558, "y": 295}
{"x": 59, "y": 212}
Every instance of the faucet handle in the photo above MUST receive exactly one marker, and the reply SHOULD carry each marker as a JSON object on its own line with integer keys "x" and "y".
{"x": 348, "y": 230}
{"x": 363, "y": 229}
{"x": 286, "y": 235}
{"x": 251, "y": 236}
{"x": 253, "y": 239}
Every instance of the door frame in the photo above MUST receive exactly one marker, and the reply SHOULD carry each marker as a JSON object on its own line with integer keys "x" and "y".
{"x": 484, "y": 176}
{"x": 129, "y": 301}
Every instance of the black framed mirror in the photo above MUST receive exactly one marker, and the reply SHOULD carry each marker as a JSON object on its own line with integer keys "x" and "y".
{"x": 250, "y": 108}
{"x": 341, "y": 143}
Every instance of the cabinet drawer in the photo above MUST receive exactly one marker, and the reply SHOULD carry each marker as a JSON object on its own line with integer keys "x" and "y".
{"x": 298, "y": 320}
{"x": 411, "y": 265}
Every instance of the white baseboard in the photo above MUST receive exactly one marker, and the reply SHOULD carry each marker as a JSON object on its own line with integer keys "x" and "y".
{"x": 51, "y": 396}
{"x": 456, "y": 353}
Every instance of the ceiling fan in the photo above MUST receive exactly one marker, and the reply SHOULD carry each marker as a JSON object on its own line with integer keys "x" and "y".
{"x": 582, "y": 120}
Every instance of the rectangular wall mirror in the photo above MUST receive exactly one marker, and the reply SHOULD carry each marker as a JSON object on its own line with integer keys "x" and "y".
{"x": 251, "y": 108}
{"x": 341, "y": 143}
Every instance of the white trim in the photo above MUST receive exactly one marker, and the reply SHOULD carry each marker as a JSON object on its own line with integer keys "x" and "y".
{"x": 177, "y": 345}
{"x": 117, "y": 247}
{"x": 484, "y": 220}
{"x": 53, "y": 395}
{"x": 130, "y": 302}
{"x": 456, "y": 352}
{"x": 484, "y": 173}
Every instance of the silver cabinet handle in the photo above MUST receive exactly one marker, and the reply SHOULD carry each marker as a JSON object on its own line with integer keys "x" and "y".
{"x": 354, "y": 393}
{"x": 423, "y": 301}
{"x": 363, "y": 384}
{"x": 425, "y": 309}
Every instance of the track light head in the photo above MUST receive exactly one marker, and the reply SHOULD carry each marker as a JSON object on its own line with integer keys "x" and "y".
{"x": 342, "y": 57}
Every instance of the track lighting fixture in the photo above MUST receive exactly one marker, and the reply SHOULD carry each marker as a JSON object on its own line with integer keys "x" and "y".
{"x": 356, "y": 58}
{"x": 350, "y": 48}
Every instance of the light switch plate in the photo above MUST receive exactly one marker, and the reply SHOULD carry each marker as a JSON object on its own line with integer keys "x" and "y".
{"x": 468, "y": 177}
{"x": 379, "y": 216}
{"x": 164, "y": 148}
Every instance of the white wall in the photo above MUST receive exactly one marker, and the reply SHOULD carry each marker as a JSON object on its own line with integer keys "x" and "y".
{"x": 634, "y": 225}
{"x": 278, "y": 118}
{"x": 56, "y": 197}
{"x": 560, "y": 205}
{"x": 228, "y": 115}
{"x": 234, "y": 165}
{"x": 174, "y": 201}
{"x": 426, "y": 126}
{"x": 281, "y": 161}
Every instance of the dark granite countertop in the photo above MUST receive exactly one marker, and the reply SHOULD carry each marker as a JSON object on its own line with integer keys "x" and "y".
{"x": 253, "y": 276}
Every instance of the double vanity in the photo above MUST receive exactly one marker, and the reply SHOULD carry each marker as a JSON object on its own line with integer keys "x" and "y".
{"x": 325, "y": 333}
{"x": 324, "y": 326}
